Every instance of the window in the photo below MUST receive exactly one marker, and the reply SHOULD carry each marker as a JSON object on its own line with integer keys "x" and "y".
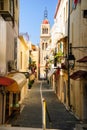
{"x": 1, "y": 4}
{"x": 14, "y": 99}
{"x": 64, "y": 15}
{"x": 16, "y": 3}
{"x": 46, "y": 45}
{"x": 84, "y": 13}
{"x": 15, "y": 48}
{"x": 21, "y": 55}
{"x": 45, "y": 31}
{"x": 66, "y": 11}
{"x": 11, "y": 7}
{"x": 15, "y": 51}
{"x": 42, "y": 46}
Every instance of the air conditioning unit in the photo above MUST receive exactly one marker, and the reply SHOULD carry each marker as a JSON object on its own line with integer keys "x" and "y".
{"x": 12, "y": 65}
{"x": 7, "y": 9}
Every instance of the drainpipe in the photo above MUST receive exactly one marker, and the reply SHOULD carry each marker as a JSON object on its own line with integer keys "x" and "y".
{"x": 68, "y": 52}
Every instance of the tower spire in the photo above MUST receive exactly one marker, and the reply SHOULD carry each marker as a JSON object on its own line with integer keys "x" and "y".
{"x": 45, "y": 13}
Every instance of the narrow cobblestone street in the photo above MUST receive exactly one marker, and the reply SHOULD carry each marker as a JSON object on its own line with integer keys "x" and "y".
{"x": 31, "y": 114}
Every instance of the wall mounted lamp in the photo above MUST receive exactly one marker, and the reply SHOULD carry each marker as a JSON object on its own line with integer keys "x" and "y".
{"x": 71, "y": 57}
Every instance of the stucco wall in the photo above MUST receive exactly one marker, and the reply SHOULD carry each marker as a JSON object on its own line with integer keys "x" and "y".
{"x": 2, "y": 46}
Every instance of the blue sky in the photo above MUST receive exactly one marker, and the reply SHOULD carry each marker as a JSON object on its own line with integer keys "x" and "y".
{"x": 32, "y": 15}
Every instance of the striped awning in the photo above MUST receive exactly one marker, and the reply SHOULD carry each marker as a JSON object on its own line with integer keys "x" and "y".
{"x": 19, "y": 78}
{"x": 5, "y": 81}
{"x": 13, "y": 88}
{"x": 9, "y": 84}
{"x": 13, "y": 82}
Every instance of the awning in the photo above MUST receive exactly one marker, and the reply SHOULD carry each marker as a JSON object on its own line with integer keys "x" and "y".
{"x": 82, "y": 60}
{"x": 78, "y": 74}
{"x": 19, "y": 78}
{"x": 9, "y": 84}
{"x": 5, "y": 81}
{"x": 13, "y": 88}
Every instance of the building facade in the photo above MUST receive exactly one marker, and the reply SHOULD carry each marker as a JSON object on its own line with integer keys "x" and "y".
{"x": 22, "y": 54}
{"x": 78, "y": 39}
{"x": 9, "y": 29}
{"x": 13, "y": 92}
{"x": 33, "y": 60}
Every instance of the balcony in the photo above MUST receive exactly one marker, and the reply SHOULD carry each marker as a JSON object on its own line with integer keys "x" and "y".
{"x": 6, "y": 9}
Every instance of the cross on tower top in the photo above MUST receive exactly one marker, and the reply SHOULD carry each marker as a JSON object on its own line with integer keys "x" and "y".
{"x": 45, "y": 13}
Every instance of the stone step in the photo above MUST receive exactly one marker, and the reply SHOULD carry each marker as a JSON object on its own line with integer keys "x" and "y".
{"x": 21, "y": 128}
{"x": 18, "y": 128}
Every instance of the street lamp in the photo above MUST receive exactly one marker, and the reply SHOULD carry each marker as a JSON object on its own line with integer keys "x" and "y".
{"x": 71, "y": 64}
{"x": 71, "y": 58}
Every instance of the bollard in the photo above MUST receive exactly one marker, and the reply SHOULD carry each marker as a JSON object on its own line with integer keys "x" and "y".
{"x": 44, "y": 114}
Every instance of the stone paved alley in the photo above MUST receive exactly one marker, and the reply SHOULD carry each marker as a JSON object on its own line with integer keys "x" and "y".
{"x": 31, "y": 114}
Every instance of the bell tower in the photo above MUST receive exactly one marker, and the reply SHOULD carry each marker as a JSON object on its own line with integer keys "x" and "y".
{"x": 44, "y": 43}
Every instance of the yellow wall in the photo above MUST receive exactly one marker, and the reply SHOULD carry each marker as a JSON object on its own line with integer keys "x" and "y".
{"x": 23, "y": 54}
